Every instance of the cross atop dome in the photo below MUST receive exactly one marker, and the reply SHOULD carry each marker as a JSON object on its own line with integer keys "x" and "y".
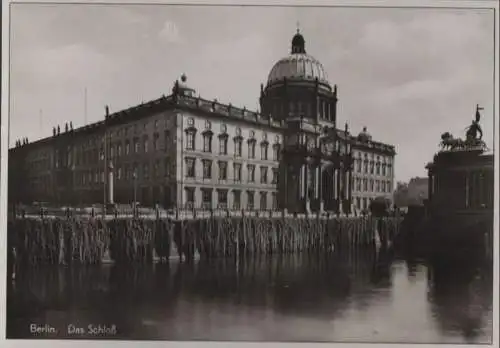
{"x": 298, "y": 43}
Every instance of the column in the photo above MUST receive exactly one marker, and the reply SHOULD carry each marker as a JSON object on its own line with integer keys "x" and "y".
{"x": 321, "y": 189}
{"x": 310, "y": 184}
{"x": 302, "y": 186}
{"x": 317, "y": 182}
{"x": 111, "y": 184}
{"x": 338, "y": 190}
{"x": 350, "y": 188}
{"x": 430, "y": 186}
{"x": 334, "y": 188}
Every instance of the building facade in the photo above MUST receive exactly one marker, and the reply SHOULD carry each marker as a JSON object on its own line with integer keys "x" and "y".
{"x": 188, "y": 152}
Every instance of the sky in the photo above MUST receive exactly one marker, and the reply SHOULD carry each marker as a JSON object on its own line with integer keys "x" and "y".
{"x": 408, "y": 75}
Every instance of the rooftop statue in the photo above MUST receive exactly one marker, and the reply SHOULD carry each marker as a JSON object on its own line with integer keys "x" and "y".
{"x": 473, "y": 137}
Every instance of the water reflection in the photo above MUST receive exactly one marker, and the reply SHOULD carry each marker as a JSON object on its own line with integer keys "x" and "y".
{"x": 352, "y": 297}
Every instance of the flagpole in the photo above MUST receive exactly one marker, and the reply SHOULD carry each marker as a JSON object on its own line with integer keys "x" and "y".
{"x": 105, "y": 158}
{"x": 85, "y": 106}
{"x": 40, "y": 116}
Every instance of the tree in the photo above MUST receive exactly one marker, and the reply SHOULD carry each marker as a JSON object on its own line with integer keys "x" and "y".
{"x": 380, "y": 206}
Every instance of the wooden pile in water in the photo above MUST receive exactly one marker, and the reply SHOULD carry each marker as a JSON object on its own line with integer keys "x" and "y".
{"x": 91, "y": 241}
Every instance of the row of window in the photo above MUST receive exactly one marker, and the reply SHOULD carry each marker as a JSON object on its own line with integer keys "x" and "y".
{"x": 134, "y": 129}
{"x": 221, "y": 202}
{"x": 128, "y": 172}
{"x": 238, "y": 146}
{"x": 372, "y": 167}
{"x": 305, "y": 109}
{"x": 365, "y": 185}
{"x": 223, "y": 170}
{"x": 86, "y": 156}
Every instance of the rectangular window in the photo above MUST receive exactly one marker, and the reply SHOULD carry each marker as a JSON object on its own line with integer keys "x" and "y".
{"x": 371, "y": 185}
{"x": 190, "y": 197}
{"x": 156, "y": 169}
{"x": 190, "y": 141}
{"x": 223, "y": 146}
{"x": 263, "y": 201}
{"x": 236, "y": 199}
{"x": 263, "y": 175}
{"x": 222, "y": 170}
{"x": 238, "y": 147}
{"x": 190, "y": 167}
{"x": 250, "y": 200}
{"x": 206, "y": 198}
{"x": 146, "y": 143}
{"x": 237, "y": 172}
{"x": 274, "y": 196}
{"x": 166, "y": 139}
{"x": 207, "y": 143}
{"x": 365, "y": 185}
{"x": 127, "y": 147}
{"x": 136, "y": 145}
{"x": 146, "y": 171}
{"x": 276, "y": 152}
{"x": 263, "y": 151}
{"x": 207, "y": 169}
{"x": 251, "y": 150}
{"x": 119, "y": 173}
{"x": 251, "y": 173}
{"x": 275, "y": 176}
{"x": 119, "y": 150}
{"x": 155, "y": 141}
{"x": 222, "y": 199}
{"x": 372, "y": 165}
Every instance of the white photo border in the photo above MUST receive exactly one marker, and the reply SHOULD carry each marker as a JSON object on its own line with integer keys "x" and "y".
{"x": 465, "y": 4}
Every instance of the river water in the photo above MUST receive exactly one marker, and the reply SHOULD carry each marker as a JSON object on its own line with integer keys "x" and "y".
{"x": 363, "y": 297}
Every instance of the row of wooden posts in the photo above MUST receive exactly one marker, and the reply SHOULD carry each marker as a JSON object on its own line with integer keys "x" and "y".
{"x": 123, "y": 240}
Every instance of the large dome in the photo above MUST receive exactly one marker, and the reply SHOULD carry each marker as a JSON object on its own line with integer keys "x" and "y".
{"x": 298, "y": 65}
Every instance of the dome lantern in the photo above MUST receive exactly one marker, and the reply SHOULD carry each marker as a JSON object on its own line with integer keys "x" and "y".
{"x": 182, "y": 88}
{"x": 364, "y": 136}
{"x": 298, "y": 43}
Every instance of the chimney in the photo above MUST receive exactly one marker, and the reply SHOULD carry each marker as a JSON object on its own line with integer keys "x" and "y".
{"x": 58, "y": 130}
{"x": 54, "y": 131}
{"x": 70, "y": 125}
{"x": 66, "y": 127}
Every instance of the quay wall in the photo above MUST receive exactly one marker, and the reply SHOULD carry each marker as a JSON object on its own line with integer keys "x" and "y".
{"x": 93, "y": 240}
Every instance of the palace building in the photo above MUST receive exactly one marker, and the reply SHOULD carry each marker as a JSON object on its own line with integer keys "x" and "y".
{"x": 184, "y": 151}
